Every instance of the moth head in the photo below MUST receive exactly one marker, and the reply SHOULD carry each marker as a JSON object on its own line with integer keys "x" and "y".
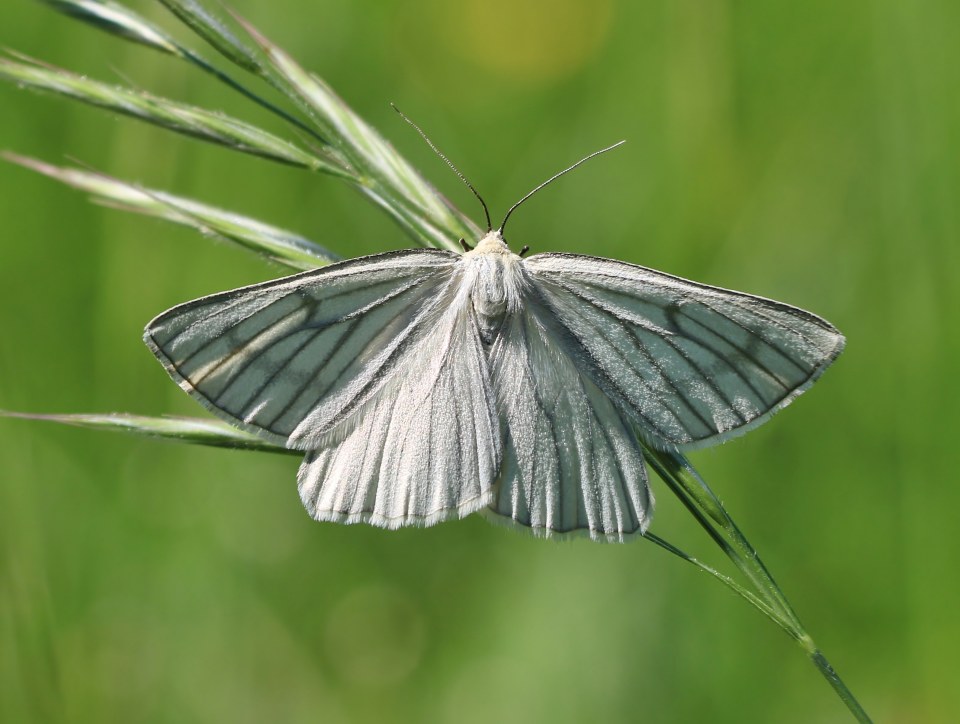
{"x": 491, "y": 243}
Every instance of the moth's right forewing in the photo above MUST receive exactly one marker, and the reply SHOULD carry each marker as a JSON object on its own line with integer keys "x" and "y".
{"x": 268, "y": 356}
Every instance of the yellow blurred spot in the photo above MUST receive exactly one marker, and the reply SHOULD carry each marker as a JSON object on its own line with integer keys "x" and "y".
{"x": 526, "y": 40}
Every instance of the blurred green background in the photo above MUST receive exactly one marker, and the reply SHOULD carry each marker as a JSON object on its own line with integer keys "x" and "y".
{"x": 807, "y": 152}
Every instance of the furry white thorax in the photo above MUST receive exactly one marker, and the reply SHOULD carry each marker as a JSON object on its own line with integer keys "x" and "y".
{"x": 495, "y": 277}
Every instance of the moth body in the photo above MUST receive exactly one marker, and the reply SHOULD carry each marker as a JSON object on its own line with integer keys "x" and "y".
{"x": 494, "y": 274}
{"x": 425, "y": 385}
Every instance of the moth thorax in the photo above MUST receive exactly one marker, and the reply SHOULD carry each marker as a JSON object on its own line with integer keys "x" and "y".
{"x": 489, "y": 295}
{"x": 489, "y": 292}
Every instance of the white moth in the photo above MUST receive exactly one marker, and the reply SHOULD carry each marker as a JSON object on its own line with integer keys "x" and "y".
{"x": 426, "y": 385}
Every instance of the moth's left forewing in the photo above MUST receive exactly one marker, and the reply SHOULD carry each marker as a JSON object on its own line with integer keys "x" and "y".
{"x": 692, "y": 363}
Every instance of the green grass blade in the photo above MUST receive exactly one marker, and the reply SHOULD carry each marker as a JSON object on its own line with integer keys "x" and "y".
{"x": 702, "y": 502}
{"x": 188, "y": 120}
{"x": 123, "y": 22}
{"x": 192, "y": 430}
{"x": 347, "y": 142}
{"x": 118, "y": 20}
{"x": 730, "y": 583}
{"x": 692, "y": 490}
{"x": 212, "y": 29}
{"x": 387, "y": 177}
{"x": 275, "y": 244}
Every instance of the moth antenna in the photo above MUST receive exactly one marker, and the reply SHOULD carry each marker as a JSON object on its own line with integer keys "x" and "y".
{"x": 554, "y": 178}
{"x": 486, "y": 211}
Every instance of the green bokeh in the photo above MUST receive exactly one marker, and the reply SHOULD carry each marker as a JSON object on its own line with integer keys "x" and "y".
{"x": 807, "y": 152}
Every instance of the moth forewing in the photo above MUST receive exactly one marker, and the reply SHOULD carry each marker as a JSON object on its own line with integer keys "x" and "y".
{"x": 693, "y": 364}
{"x": 264, "y": 357}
